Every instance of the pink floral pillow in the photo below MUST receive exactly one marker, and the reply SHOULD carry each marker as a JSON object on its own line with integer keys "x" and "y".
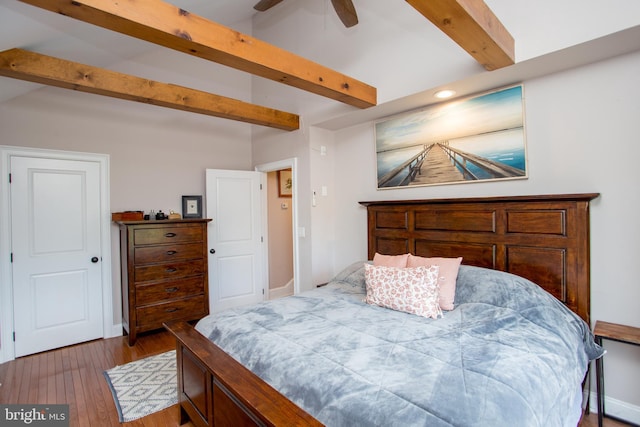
{"x": 390, "y": 260}
{"x": 448, "y": 275}
{"x": 412, "y": 290}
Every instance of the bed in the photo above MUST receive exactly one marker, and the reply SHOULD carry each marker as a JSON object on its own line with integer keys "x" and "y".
{"x": 514, "y": 349}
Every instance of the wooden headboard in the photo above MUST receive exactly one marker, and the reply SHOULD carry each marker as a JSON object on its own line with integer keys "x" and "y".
{"x": 542, "y": 238}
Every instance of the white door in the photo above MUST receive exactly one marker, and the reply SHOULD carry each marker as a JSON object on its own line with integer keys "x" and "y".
{"x": 55, "y": 245}
{"x": 236, "y": 266}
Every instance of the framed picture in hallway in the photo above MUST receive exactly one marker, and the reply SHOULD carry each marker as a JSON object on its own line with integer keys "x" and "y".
{"x": 285, "y": 183}
{"x": 473, "y": 139}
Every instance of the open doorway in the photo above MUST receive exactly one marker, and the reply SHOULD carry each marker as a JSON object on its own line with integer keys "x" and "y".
{"x": 280, "y": 224}
{"x": 280, "y": 231}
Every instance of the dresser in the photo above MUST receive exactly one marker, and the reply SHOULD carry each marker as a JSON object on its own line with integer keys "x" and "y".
{"x": 164, "y": 273}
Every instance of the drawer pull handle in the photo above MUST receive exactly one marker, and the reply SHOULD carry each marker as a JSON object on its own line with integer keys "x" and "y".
{"x": 171, "y": 270}
{"x": 171, "y": 310}
{"x": 171, "y": 290}
{"x": 170, "y": 235}
{"x": 172, "y": 252}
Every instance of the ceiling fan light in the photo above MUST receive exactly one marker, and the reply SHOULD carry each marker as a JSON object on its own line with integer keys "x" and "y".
{"x": 445, "y": 93}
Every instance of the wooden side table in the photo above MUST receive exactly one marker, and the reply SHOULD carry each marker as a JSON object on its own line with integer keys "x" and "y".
{"x": 614, "y": 332}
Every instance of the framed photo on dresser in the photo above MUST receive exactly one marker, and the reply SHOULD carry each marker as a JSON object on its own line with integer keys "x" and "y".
{"x": 191, "y": 206}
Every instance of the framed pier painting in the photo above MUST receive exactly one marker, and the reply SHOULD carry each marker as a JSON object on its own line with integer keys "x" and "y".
{"x": 473, "y": 139}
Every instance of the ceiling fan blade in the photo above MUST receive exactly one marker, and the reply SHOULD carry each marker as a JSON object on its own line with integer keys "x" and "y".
{"x": 346, "y": 12}
{"x": 263, "y": 5}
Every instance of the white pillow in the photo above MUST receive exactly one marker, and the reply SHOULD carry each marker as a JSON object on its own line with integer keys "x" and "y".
{"x": 411, "y": 290}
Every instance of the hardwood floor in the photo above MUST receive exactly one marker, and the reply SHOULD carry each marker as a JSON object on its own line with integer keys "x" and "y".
{"x": 74, "y": 375}
{"x": 592, "y": 421}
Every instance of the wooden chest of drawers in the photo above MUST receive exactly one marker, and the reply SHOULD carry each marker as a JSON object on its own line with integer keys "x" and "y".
{"x": 164, "y": 273}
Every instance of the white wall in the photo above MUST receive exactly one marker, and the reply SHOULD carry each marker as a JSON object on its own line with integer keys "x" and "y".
{"x": 544, "y": 26}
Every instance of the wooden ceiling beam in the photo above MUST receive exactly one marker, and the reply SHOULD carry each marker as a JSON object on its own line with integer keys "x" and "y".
{"x": 37, "y": 68}
{"x": 472, "y": 25}
{"x": 167, "y": 25}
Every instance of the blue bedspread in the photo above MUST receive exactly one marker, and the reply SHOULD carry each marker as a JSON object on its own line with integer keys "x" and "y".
{"x": 509, "y": 354}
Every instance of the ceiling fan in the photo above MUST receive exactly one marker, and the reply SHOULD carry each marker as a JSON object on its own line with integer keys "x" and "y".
{"x": 344, "y": 8}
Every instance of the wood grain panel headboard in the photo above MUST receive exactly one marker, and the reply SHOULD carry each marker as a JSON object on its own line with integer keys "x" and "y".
{"x": 542, "y": 238}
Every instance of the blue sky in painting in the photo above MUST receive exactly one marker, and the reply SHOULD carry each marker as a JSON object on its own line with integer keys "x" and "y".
{"x": 454, "y": 119}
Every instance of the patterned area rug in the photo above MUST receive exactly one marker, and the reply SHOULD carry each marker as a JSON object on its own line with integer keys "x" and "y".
{"x": 144, "y": 386}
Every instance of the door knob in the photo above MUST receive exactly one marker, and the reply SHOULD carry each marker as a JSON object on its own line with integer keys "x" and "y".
{"x": 212, "y": 251}
{"x": 95, "y": 259}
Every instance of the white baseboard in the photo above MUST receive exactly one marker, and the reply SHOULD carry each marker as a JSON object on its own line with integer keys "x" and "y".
{"x": 116, "y": 331}
{"x": 5, "y": 356}
{"x": 616, "y": 408}
{"x": 282, "y": 291}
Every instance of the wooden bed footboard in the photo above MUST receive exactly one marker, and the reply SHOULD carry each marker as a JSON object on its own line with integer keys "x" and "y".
{"x": 216, "y": 390}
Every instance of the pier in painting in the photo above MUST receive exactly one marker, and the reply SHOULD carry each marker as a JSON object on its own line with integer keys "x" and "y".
{"x": 440, "y": 163}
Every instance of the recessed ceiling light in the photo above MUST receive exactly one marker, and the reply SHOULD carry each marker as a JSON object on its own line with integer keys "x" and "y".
{"x": 447, "y": 93}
